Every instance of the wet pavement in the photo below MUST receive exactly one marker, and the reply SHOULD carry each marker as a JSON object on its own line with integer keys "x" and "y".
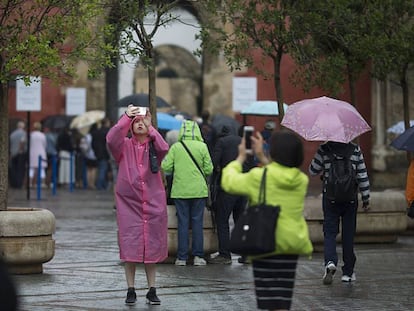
{"x": 86, "y": 274}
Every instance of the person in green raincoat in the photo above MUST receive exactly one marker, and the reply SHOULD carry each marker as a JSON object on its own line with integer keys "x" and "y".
{"x": 189, "y": 189}
{"x": 286, "y": 186}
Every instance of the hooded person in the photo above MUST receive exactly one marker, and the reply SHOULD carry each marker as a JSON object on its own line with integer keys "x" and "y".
{"x": 226, "y": 204}
{"x": 140, "y": 198}
{"x": 189, "y": 161}
{"x": 285, "y": 186}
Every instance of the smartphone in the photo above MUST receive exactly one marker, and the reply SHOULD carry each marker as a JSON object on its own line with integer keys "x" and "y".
{"x": 142, "y": 111}
{"x": 248, "y": 132}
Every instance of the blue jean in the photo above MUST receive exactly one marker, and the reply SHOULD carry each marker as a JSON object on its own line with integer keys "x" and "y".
{"x": 225, "y": 205}
{"x": 190, "y": 209}
{"x": 334, "y": 213}
{"x": 101, "y": 178}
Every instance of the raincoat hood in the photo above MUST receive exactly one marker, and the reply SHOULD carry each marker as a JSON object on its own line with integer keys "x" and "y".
{"x": 190, "y": 131}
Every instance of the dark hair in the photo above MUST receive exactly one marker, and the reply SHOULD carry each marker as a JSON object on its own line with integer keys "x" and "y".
{"x": 286, "y": 148}
{"x": 205, "y": 115}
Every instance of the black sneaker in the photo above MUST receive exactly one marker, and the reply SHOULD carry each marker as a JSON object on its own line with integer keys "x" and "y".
{"x": 131, "y": 296}
{"x": 152, "y": 298}
{"x": 221, "y": 260}
{"x": 243, "y": 260}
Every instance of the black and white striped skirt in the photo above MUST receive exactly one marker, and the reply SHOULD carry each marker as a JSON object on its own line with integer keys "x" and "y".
{"x": 274, "y": 279}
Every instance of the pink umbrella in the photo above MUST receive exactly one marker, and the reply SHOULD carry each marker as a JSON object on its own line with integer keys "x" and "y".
{"x": 325, "y": 118}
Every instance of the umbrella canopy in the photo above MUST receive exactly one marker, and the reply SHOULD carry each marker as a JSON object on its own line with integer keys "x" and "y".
{"x": 167, "y": 122}
{"x": 219, "y": 120}
{"x": 263, "y": 108}
{"x": 399, "y": 127}
{"x": 83, "y": 121}
{"x": 56, "y": 122}
{"x": 405, "y": 141}
{"x": 325, "y": 119}
{"x": 141, "y": 100}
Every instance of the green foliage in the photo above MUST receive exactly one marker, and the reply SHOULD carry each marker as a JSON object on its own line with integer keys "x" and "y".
{"x": 49, "y": 37}
{"x": 336, "y": 48}
{"x": 392, "y": 51}
{"x": 239, "y": 27}
{"x": 243, "y": 29}
{"x": 139, "y": 22}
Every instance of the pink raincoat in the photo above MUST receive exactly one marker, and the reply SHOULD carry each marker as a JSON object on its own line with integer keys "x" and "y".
{"x": 140, "y": 195}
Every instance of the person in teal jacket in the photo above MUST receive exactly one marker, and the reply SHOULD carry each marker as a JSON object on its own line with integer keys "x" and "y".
{"x": 286, "y": 186}
{"x": 189, "y": 189}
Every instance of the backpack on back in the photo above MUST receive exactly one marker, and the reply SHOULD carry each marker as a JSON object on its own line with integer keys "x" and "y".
{"x": 341, "y": 183}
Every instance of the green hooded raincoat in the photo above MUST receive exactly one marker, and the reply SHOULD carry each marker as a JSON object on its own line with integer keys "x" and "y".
{"x": 188, "y": 182}
{"x": 286, "y": 187}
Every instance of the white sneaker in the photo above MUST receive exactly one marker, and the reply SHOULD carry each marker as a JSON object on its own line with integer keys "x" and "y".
{"x": 347, "y": 278}
{"x": 330, "y": 270}
{"x": 179, "y": 262}
{"x": 198, "y": 261}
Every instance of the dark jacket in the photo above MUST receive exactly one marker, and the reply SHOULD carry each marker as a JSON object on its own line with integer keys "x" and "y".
{"x": 226, "y": 150}
{"x": 99, "y": 143}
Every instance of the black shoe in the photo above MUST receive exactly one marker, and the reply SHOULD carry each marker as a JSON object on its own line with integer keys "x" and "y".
{"x": 152, "y": 298}
{"x": 221, "y": 260}
{"x": 242, "y": 259}
{"x": 131, "y": 296}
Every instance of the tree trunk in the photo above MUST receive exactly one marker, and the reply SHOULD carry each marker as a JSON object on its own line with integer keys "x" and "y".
{"x": 406, "y": 94}
{"x": 351, "y": 82}
{"x": 278, "y": 87}
{"x": 406, "y": 101}
{"x": 111, "y": 73}
{"x": 111, "y": 91}
{"x": 152, "y": 88}
{"x": 4, "y": 143}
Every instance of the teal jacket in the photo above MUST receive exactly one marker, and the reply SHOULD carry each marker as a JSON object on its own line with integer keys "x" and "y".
{"x": 188, "y": 182}
{"x": 286, "y": 187}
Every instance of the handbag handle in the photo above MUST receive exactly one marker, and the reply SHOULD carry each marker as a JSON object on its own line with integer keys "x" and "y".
{"x": 262, "y": 192}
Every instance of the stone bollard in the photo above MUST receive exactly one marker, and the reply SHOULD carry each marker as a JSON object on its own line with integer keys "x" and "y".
{"x": 386, "y": 219}
{"x": 26, "y": 239}
{"x": 210, "y": 236}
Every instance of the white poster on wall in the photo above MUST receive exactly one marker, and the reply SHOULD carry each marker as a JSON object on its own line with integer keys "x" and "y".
{"x": 75, "y": 101}
{"x": 244, "y": 92}
{"x": 29, "y": 97}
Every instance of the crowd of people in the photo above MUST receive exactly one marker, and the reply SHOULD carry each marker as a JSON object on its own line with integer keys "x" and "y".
{"x": 149, "y": 167}
{"x": 76, "y": 158}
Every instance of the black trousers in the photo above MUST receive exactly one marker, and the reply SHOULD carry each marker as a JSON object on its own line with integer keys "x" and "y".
{"x": 17, "y": 170}
{"x": 226, "y": 204}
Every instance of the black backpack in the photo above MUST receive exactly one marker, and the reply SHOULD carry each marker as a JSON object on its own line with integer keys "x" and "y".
{"x": 341, "y": 183}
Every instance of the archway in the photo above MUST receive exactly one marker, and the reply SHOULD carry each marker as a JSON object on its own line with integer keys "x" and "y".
{"x": 178, "y": 78}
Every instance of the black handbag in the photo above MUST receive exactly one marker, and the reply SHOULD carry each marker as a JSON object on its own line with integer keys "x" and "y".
{"x": 255, "y": 229}
{"x": 153, "y": 159}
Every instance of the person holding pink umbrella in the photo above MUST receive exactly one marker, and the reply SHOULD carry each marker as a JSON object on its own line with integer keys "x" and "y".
{"x": 342, "y": 168}
{"x": 140, "y": 197}
{"x": 340, "y": 207}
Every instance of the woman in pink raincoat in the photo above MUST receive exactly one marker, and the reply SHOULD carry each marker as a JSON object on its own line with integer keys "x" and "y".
{"x": 140, "y": 198}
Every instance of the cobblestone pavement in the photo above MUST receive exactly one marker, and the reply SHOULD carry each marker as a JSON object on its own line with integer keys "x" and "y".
{"x": 86, "y": 274}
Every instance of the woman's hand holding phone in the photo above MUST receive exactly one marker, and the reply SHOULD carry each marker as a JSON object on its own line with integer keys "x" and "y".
{"x": 248, "y": 133}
